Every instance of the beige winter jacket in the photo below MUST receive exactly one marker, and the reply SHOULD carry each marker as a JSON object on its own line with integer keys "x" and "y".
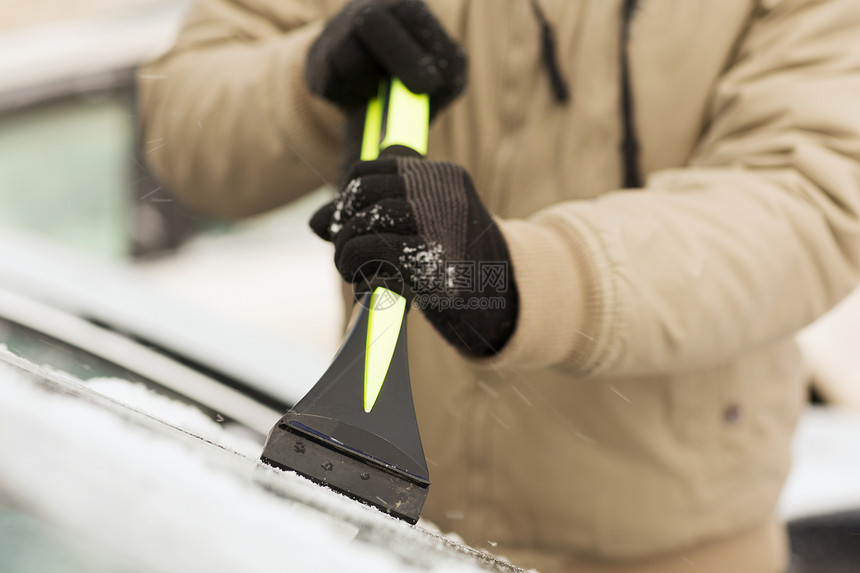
{"x": 641, "y": 414}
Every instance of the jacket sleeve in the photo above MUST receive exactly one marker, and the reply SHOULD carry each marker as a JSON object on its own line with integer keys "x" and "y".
{"x": 227, "y": 122}
{"x": 754, "y": 238}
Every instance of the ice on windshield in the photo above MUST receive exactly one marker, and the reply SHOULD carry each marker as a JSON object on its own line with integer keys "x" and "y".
{"x": 160, "y": 503}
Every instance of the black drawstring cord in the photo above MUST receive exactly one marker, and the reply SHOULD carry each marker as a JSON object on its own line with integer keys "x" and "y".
{"x": 557, "y": 81}
{"x": 630, "y": 144}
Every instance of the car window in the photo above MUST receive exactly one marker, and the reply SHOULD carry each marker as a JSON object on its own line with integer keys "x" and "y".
{"x": 28, "y": 543}
{"x": 87, "y": 142}
{"x": 48, "y": 351}
{"x": 45, "y": 350}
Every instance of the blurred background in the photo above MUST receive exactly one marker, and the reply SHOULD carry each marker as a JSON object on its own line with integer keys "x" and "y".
{"x": 73, "y": 171}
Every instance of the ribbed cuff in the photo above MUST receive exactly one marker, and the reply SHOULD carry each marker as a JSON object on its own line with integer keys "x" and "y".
{"x": 552, "y": 292}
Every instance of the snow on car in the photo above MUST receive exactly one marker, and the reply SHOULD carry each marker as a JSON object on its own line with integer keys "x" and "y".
{"x": 159, "y": 487}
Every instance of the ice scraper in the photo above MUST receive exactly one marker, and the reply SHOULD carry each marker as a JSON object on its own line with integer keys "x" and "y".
{"x": 355, "y": 431}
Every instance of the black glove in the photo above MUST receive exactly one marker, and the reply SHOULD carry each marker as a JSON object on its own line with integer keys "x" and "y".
{"x": 373, "y": 39}
{"x": 424, "y": 220}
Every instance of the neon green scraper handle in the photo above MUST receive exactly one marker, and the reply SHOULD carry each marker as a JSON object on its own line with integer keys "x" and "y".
{"x": 396, "y": 117}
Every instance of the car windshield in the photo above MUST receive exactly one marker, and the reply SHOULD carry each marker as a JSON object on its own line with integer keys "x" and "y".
{"x": 104, "y": 483}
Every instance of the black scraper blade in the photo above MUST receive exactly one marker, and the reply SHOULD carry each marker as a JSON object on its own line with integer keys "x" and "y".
{"x": 352, "y": 435}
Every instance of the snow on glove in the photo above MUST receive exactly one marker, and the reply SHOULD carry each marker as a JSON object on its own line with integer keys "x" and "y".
{"x": 374, "y": 39}
{"x": 425, "y": 219}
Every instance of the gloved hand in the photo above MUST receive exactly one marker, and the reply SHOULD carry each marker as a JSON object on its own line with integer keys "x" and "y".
{"x": 373, "y": 39}
{"x": 425, "y": 220}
